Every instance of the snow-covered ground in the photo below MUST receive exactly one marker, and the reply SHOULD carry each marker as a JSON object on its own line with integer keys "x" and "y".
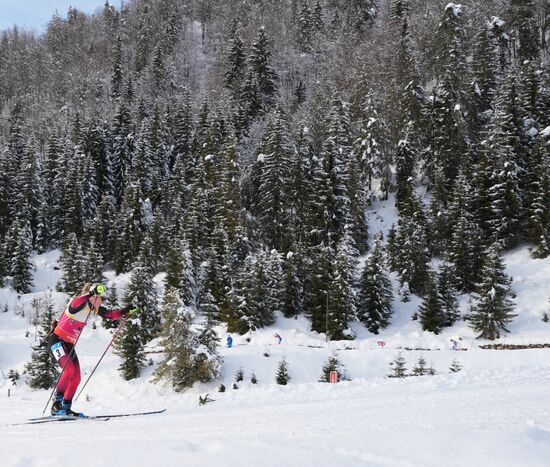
{"x": 495, "y": 412}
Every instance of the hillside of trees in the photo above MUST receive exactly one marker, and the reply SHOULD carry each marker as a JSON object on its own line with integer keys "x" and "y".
{"x": 237, "y": 146}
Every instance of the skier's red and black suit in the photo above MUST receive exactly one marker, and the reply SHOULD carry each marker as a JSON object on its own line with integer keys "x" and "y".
{"x": 61, "y": 341}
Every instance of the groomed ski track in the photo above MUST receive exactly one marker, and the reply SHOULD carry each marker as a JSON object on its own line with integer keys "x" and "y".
{"x": 489, "y": 418}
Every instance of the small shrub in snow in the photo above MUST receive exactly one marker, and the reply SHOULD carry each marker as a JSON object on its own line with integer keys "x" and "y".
{"x": 545, "y": 317}
{"x": 333, "y": 364}
{"x": 235, "y": 386}
{"x": 42, "y": 369}
{"x": 282, "y": 377}
{"x": 205, "y": 400}
{"x": 13, "y": 376}
{"x": 398, "y": 367}
{"x": 421, "y": 367}
{"x": 221, "y": 388}
{"x": 253, "y": 378}
{"x": 239, "y": 376}
{"x": 455, "y": 366}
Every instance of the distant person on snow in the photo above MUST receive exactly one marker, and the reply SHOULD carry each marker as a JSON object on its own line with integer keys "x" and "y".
{"x": 64, "y": 336}
{"x": 279, "y": 338}
{"x": 456, "y": 345}
{"x": 229, "y": 342}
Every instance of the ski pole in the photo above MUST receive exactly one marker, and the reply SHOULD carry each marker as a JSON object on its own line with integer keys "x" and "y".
{"x": 64, "y": 366}
{"x": 97, "y": 364}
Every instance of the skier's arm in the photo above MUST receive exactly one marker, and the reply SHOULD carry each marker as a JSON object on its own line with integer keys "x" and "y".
{"x": 78, "y": 303}
{"x": 116, "y": 314}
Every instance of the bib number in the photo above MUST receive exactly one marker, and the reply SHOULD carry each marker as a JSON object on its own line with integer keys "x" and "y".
{"x": 58, "y": 350}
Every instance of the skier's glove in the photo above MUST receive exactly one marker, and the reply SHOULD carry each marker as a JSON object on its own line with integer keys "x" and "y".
{"x": 97, "y": 289}
{"x": 130, "y": 309}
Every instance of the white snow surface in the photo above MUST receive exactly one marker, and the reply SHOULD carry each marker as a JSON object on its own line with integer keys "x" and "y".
{"x": 495, "y": 412}
{"x": 456, "y": 8}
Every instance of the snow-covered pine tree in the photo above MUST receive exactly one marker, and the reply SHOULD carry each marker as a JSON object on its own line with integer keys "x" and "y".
{"x": 341, "y": 300}
{"x": 318, "y": 17}
{"x": 262, "y": 295}
{"x": 235, "y": 62}
{"x": 405, "y": 161}
{"x": 398, "y": 367}
{"x": 13, "y": 376}
{"x": 465, "y": 246}
{"x": 50, "y": 229}
{"x": 392, "y": 249}
{"x": 446, "y": 291}
{"x": 336, "y": 154}
{"x": 70, "y": 204}
{"x": 263, "y": 72}
{"x": 304, "y": 27}
{"x": 490, "y": 45}
{"x": 117, "y": 74}
{"x": 333, "y": 363}
{"x": 447, "y": 124}
{"x": 360, "y": 14}
{"x": 455, "y": 366}
{"x": 293, "y": 293}
{"x": 275, "y": 154}
{"x": 431, "y": 314}
{"x": 72, "y": 264}
{"x": 103, "y": 229}
{"x": 186, "y": 359}
{"x": 218, "y": 280}
{"x": 28, "y": 195}
{"x": 144, "y": 35}
{"x": 538, "y": 198}
{"x": 132, "y": 228}
{"x": 141, "y": 291}
{"x": 412, "y": 254}
{"x": 209, "y": 338}
{"x": 493, "y": 308}
{"x": 122, "y": 150}
{"x": 282, "y": 376}
{"x": 317, "y": 285}
{"x": 358, "y": 202}
{"x": 93, "y": 263}
{"x": 374, "y": 300}
{"x": 129, "y": 347}
{"x": 500, "y": 205}
{"x": 524, "y": 30}
{"x": 21, "y": 266}
{"x": 274, "y": 298}
{"x": 42, "y": 369}
{"x": 421, "y": 367}
{"x": 111, "y": 302}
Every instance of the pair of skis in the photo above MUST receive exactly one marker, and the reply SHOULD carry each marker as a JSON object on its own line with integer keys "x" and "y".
{"x": 66, "y": 418}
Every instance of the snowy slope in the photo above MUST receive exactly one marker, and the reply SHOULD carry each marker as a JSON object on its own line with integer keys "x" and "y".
{"x": 494, "y": 412}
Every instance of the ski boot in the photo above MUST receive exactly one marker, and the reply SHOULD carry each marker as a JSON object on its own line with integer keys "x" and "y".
{"x": 56, "y": 406}
{"x": 65, "y": 409}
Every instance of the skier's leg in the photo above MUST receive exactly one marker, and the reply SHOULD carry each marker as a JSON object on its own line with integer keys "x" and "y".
{"x": 67, "y": 375}
{"x": 73, "y": 383}
{"x": 63, "y": 384}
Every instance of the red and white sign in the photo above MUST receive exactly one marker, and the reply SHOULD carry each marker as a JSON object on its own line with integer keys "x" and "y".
{"x": 333, "y": 376}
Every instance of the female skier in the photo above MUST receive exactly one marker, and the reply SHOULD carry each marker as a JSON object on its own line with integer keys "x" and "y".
{"x": 62, "y": 339}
